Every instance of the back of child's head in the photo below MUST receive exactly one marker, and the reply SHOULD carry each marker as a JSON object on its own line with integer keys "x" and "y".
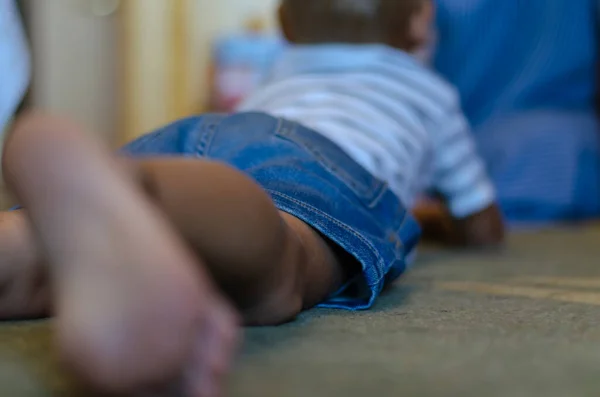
{"x": 352, "y": 21}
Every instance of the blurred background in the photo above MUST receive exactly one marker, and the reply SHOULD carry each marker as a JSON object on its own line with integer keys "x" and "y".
{"x": 124, "y": 67}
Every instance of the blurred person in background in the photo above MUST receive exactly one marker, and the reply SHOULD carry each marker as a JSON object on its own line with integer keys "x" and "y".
{"x": 527, "y": 73}
{"x": 14, "y": 61}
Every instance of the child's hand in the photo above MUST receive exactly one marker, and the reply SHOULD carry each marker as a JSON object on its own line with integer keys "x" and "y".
{"x": 434, "y": 220}
{"x": 483, "y": 229}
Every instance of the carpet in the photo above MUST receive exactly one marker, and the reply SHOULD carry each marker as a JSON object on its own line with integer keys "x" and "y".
{"x": 524, "y": 321}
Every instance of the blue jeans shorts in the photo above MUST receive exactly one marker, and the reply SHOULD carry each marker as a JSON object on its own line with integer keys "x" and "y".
{"x": 310, "y": 178}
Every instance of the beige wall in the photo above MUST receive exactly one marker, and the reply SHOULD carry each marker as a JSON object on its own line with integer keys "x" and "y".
{"x": 75, "y": 64}
{"x": 127, "y": 72}
{"x": 75, "y": 61}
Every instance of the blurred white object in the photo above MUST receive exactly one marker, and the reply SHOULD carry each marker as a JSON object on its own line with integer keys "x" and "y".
{"x": 14, "y": 61}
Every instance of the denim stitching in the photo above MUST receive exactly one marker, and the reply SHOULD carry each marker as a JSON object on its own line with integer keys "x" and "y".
{"x": 207, "y": 129}
{"x": 405, "y": 219}
{"x": 379, "y": 197}
{"x": 400, "y": 250}
{"x": 144, "y": 140}
{"x": 340, "y": 224}
{"x": 281, "y": 127}
{"x": 285, "y": 131}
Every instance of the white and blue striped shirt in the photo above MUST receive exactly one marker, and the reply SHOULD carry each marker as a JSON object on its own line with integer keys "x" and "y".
{"x": 390, "y": 113}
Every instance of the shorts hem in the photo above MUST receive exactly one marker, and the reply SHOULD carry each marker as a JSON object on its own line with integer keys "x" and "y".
{"x": 352, "y": 242}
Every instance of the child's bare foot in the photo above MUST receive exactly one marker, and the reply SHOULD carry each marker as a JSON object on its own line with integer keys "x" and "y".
{"x": 135, "y": 310}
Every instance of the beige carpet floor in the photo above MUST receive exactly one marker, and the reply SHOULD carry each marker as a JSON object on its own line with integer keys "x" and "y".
{"x": 523, "y": 322}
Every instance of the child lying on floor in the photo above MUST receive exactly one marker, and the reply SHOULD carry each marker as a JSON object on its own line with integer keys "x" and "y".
{"x": 300, "y": 199}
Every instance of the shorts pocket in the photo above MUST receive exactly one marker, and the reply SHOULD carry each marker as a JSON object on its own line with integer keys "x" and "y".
{"x": 190, "y": 137}
{"x": 361, "y": 182}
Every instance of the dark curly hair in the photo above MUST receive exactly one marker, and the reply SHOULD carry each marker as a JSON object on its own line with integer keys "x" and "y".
{"x": 351, "y": 21}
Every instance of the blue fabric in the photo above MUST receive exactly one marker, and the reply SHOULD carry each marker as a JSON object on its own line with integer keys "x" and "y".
{"x": 526, "y": 72}
{"x": 310, "y": 178}
{"x": 15, "y": 63}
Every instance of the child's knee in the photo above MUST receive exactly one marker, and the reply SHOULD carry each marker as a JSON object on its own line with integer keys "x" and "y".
{"x": 275, "y": 307}
{"x": 278, "y": 294}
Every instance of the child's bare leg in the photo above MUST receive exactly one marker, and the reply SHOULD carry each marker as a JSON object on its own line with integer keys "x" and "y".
{"x": 135, "y": 308}
{"x": 271, "y": 264}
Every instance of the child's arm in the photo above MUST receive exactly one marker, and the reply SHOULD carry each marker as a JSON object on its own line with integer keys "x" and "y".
{"x": 466, "y": 213}
{"x": 482, "y": 229}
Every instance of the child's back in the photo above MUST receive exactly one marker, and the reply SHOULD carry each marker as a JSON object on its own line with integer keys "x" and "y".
{"x": 351, "y": 77}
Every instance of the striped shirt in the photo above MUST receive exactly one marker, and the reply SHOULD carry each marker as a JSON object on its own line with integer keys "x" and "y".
{"x": 391, "y": 114}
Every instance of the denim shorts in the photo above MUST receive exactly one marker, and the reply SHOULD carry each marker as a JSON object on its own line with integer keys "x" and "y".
{"x": 310, "y": 178}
